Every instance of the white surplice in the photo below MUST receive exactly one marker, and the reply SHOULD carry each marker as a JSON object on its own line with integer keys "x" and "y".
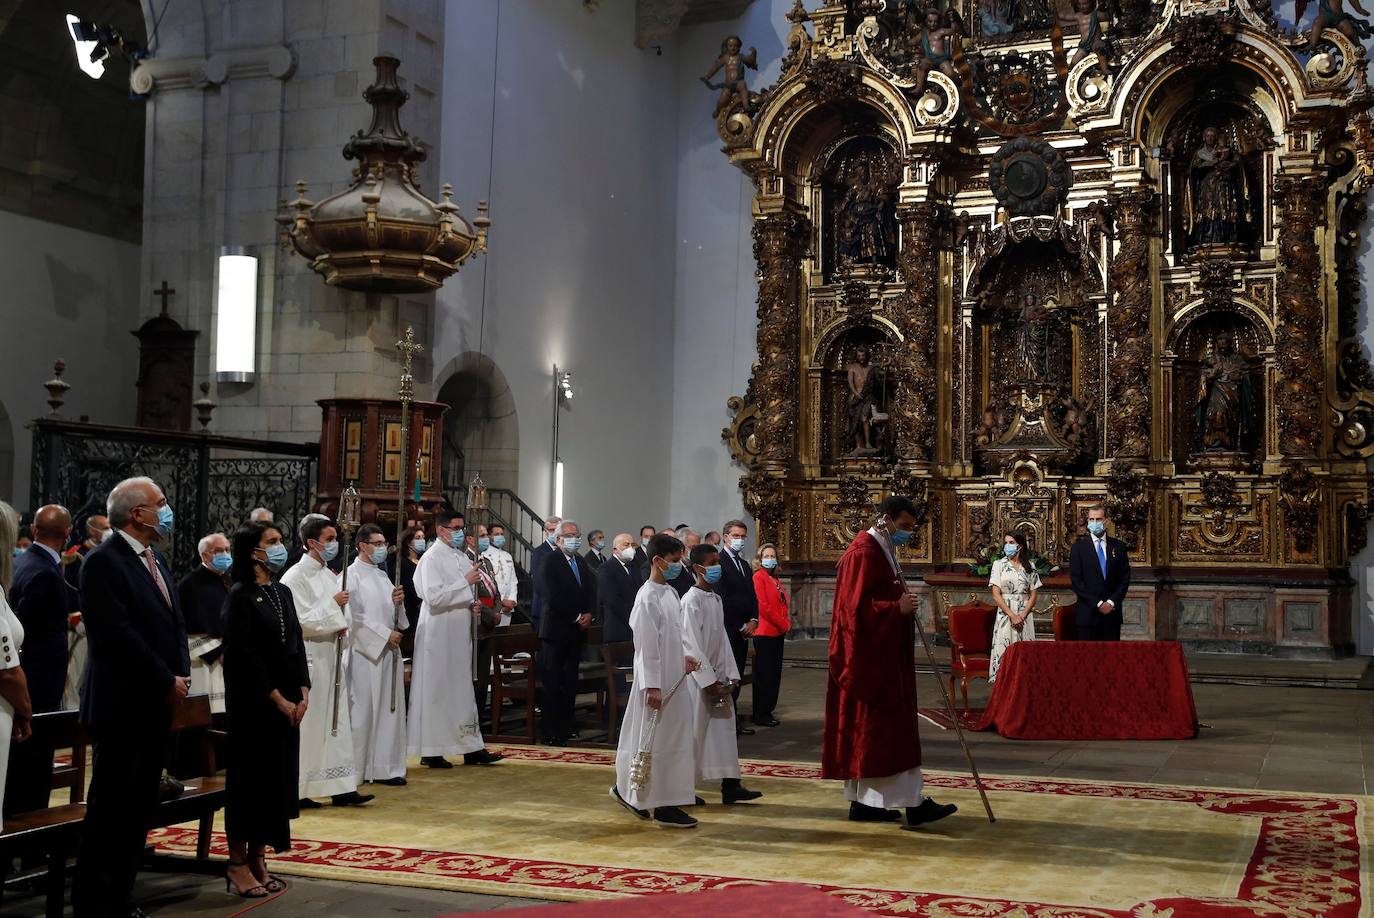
{"x": 207, "y": 678}
{"x": 504, "y": 565}
{"x": 656, "y": 620}
{"x": 327, "y": 766}
{"x": 704, "y": 639}
{"x": 443, "y": 709}
{"x": 76, "y": 667}
{"x": 375, "y": 671}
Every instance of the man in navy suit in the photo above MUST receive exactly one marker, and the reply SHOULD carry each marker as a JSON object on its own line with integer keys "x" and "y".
{"x": 138, "y": 670}
{"x": 617, "y": 582}
{"x": 537, "y": 555}
{"x": 568, "y": 587}
{"x": 43, "y": 601}
{"x": 736, "y": 592}
{"x": 1101, "y": 575}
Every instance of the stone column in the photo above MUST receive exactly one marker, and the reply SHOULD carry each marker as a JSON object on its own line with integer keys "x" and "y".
{"x": 1130, "y": 354}
{"x": 1299, "y": 332}
{"x": 779, "y": 243}
{"x": 915, "y": 314}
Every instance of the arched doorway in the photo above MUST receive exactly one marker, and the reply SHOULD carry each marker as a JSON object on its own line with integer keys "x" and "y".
{"x": 481, "y": 430}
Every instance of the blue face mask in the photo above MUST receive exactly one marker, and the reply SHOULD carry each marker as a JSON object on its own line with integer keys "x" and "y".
{"x": 553, "y": 536}
{"x": 712, "y": 574}
{"x": 329, "y": 551}
{"x": 419, "y": 546}
{"x": 165, "y": 518}
{"x": 378, "y": 554}
{"x": 769, "y": 563}
{"x": 571, "y": 543}
{"x": 18, "y": 551}
{"x": 499, "y": 541}
{"x": 673, "y": 571}
{"x": 1010, "y": 548}
{"x": 643, "y": 542}
{"x": 221, "y": 562}
{"x": 483, "y": 543}
{"x": 276, "y": 557}
{"x": 456, "y": 537}
{"x": 900, "y": 537}
{"x": 736, "y": 545}
{"x": 1097, "y": 527}
{"x": 598, "y": 544}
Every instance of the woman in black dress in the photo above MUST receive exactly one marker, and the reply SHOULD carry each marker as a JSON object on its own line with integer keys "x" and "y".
{"x": 267, "y": 688}
{"x": 412, "y": 546}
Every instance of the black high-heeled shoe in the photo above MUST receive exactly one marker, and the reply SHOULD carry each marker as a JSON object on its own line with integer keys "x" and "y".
{"x": 253, "y": 892}
{"x": 270, "y": 883}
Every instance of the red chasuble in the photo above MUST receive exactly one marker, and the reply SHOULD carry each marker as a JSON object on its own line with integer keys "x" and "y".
{"x": 870, "y": 700}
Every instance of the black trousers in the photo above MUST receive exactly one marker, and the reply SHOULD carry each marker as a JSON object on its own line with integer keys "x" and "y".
{"x": 767, "y": 676}
{"x": 739, "y": 646}
{"x": 125, "y": 771}
{"x": 1101, "y": 628}
{"x": 28, "y": 783}
{"x": 559, "y": 675}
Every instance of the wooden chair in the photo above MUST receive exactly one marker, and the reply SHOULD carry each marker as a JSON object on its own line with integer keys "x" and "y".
{"x": 513, "y": 655}
{"x": 617, "y": 660}
{"x": 970, "y": 639}
{"x": 205, "y": 789}
{"x": 1065, "y": 618}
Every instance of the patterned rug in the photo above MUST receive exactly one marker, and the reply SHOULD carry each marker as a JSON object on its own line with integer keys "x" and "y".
{"x": 541, "y": 825}
{"x": 939, "y": 717}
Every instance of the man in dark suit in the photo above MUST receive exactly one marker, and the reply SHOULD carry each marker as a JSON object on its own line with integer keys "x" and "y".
{"x": 617, "y": 582}
{"x": 1101, "y": 575}
{"x": 137, "y": 672}
{"x": 686, "y": 580}
{"x": 641, "y": 559}
{"x": 569, "y": 590}
{"x": 736, "y": 592}
{"x": 537, "y": 556}
{"x": 596, "y": 555}
{"x": 43, "y": 602}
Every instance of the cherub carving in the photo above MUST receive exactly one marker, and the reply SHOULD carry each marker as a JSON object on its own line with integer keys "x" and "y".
{"x": 734, "y": 64}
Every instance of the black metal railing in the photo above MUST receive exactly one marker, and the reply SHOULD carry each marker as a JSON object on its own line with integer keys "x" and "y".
{"x": 211, "y": 482}
{"x": 524, "y": 527}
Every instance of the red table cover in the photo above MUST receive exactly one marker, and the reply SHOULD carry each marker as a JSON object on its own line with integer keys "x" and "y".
{"x": 1092, "y": 690}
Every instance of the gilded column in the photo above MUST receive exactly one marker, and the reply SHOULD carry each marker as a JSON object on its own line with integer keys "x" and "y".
{"x": 915, "y": 314}
{"x": 1299, "y": 333}
{"x": 1130, "y": 352}
{"x": 779, "y": 244}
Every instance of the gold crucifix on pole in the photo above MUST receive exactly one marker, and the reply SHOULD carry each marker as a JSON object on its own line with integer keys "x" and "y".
{"x": 408, "y": 347}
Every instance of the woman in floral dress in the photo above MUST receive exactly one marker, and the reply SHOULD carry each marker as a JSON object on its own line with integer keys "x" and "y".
{"x": 1013, "y": 583}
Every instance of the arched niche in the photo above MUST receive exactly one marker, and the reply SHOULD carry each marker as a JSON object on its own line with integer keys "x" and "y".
{"x": 854, "y": 196}
{"x": 1220, "y": 365}
{"x": 481, "y": 428}
{"x": 843, "y": 410}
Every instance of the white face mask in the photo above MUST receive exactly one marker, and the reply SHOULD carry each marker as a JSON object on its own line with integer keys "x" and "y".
{"x": 105, "y": 534}
{"x": 627, "y": 554}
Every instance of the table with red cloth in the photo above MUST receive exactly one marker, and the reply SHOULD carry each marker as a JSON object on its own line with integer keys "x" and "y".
{"x": 1092, "y": 690}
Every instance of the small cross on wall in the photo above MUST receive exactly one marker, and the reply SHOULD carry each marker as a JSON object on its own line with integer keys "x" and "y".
{"x": 164, "y": 291}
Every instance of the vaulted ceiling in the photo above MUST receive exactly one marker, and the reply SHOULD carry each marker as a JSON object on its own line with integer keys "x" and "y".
{"x": 656, "y": 19}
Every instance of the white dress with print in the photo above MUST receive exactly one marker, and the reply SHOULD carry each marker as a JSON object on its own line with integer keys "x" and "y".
{"x": 1016, "y": 584}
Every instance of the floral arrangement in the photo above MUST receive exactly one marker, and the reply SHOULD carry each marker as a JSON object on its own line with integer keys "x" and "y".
{"x": 982, "y": 564}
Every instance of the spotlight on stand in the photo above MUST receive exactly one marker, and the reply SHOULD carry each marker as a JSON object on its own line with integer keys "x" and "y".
{"x": 93, "y": 43}
{"x": 565, "y": 389}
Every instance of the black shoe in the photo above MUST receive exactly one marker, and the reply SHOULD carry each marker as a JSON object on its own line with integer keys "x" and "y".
{"x": 670, "y": 817}
{"x": 555, "y": 741}
{"x": 737, "y": 793}
{"x": 307, "y": 804}
{"x": 770, "y": 722}
{"x": 741, "y": 730}
{"x": 860, "y": 813}
{"x": 697, "y": 801}
{"x": 929, "y": 811}
{"x": 615, "y": 795}
{"x": 352, "y": 798}
{"x": 435, "y": 761}
{"x": 481, "y": 757}
{"x": 136, "y": 912}
{"x": 393, "y": 782}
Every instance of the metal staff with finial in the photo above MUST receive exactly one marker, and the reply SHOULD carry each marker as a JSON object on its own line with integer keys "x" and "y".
{"x": 347, "y": 522}
{"x": 883, "y": 528}
{"x": 408, "y": 347}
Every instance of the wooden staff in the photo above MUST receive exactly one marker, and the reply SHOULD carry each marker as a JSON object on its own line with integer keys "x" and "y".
{"x": 408, "y": 347}
{"x": 882, "y": 527}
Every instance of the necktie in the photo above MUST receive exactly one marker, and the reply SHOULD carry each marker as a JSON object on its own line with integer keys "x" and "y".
{"x": 157, "y": 575}
{"x": 1101, "y": 557}
{"x": 572, "y": 562}
{"x": 738, "y": 563}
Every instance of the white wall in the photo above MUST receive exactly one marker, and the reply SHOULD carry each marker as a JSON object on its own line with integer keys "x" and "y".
{"x": 73, "y": 295}
{"x": 581, "y": 266}
{"x": 715, "y": 313}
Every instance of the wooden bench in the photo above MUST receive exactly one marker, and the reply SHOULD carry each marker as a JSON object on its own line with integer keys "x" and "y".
{"x": 514, "y": 651}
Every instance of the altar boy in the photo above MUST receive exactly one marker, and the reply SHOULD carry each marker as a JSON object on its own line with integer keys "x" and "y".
{"x": 703, "y": 638}
{"x": 659, "y": 668}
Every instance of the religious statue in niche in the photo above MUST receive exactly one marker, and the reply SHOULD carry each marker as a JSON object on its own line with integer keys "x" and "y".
{"x": 866, "y": 217}
{"x": 1217, "y": 198}
{"x": 1033, "y": 341}
{"x": 1331, "y": 14}
{"x": 1092, "y": 34}
{"x": 1225, "y": 398}
{"x": 865, "y": 404}
{"x": 733, "y": 62}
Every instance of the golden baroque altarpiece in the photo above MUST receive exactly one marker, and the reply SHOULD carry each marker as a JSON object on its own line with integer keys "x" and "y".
{"x": 1020, "y": 256}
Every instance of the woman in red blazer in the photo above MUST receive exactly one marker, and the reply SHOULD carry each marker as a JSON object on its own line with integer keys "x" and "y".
{"x": 774, "y": 622}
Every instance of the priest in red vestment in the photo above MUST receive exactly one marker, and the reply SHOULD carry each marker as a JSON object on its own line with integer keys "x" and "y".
{"x": 871, "y": 739}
